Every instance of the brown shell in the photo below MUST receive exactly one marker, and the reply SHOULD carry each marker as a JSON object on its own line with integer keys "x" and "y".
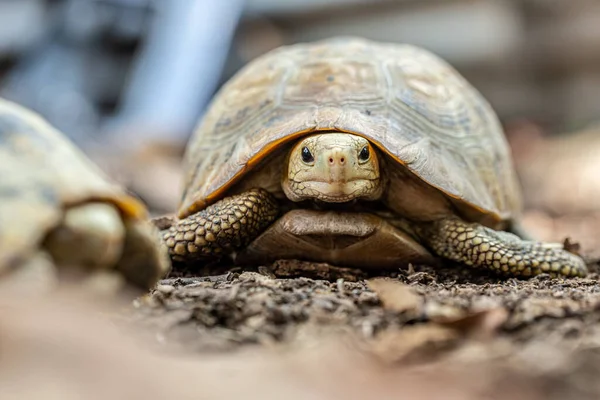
{"x": 41, "y": 173}
{"x": 407, "y": 101}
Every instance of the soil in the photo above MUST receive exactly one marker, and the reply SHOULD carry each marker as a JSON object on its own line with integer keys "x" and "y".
{"x": 235, "y": 309}
{"x": 468, "y": 333}
{"x": 542, "y": 334}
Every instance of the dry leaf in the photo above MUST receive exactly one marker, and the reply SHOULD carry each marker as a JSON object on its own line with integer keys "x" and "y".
{"x": 395, "y": 295}
{"x": 414, "y": 343}
{"x": 481, "y": 324}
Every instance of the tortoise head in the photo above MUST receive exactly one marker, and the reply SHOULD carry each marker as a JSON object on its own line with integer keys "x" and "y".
{"x": 332, "y": 167}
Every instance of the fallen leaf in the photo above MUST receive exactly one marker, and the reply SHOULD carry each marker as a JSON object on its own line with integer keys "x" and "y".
{"x": 414, "y": 343}
{"x": 481, "y": 324}
{"x": 395, "y": 296}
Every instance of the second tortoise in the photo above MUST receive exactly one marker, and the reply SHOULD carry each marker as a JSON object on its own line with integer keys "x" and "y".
{"x": 60, "y": 216}
{"x": 355, "y": 153}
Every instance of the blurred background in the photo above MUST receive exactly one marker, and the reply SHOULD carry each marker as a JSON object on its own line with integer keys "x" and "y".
{"x": 128, "y": 79}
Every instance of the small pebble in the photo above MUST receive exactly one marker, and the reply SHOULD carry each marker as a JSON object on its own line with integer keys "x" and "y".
{"x": 166, "y": 289}
{"x": 340, "y": 286}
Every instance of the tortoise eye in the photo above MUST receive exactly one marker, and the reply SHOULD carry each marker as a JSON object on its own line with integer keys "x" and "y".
{"x": 307, "y": 156}
{"x": 364, "y": 154}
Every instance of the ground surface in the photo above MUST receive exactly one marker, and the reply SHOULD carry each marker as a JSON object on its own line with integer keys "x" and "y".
{"x": 541, "y": 337}
{"x": 474, "y": 334}
{"x": 244, "y": 308}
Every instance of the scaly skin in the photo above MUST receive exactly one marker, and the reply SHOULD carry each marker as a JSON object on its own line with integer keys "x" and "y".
{"x": 336, "y": 170}
{"x": 481, "y": 247}
{"x": 229, "y": 224}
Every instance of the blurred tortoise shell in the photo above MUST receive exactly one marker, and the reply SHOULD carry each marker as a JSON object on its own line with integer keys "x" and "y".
{"x": 42, "y": 176}
{"x": 406, "y": 101}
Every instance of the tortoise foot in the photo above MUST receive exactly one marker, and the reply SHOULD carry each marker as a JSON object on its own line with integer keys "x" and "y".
{"x": 144, "y": 260}
{"x": 481, "y": 247}
{"x": 91, "y": 235}
{"x": 227, "y": 225}
{"x": 94, "y": 238}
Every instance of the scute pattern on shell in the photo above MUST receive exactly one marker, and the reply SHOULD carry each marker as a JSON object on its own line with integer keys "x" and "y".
{"x": 41, "y": 172}
{"x": 407, "y": 101}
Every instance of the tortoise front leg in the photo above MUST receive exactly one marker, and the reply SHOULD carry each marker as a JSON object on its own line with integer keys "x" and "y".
{"x": 481, "y": 247}
{"x": 227, "y": 225}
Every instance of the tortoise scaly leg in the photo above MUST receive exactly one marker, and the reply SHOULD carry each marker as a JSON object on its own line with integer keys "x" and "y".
{"x": 481, "y": 247}
{"x": 229, "y": 224}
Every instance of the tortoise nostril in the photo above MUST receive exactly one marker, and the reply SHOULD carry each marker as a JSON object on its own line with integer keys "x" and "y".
{"x": 337, "y": 158}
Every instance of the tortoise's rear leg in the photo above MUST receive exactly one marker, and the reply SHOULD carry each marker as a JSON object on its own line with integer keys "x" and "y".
{"x": 90, "y": 235}
{"x": 94, "y": 237}
{"x": 481, "y": 247}
{"x": 229, "y": 224}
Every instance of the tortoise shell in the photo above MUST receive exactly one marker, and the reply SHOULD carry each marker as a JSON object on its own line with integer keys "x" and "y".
{"x": 42, "y": 173}
{"x": 408, "y": 102}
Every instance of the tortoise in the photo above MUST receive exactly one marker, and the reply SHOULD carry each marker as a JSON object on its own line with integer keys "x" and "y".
{"x": 58, "y": 210}
{"x": 355, "y": 153}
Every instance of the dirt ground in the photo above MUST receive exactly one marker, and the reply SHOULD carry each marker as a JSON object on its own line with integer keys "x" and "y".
{"x": 223, "y": 312}
{"x": 473, "y": 334}
{"x": 444, "y": 333}
{"x": 529, "y": 339}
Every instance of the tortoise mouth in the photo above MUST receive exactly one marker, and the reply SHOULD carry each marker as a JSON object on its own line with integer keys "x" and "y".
{"x": 331, "y": 181}
{"x": 333, "y": 191}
